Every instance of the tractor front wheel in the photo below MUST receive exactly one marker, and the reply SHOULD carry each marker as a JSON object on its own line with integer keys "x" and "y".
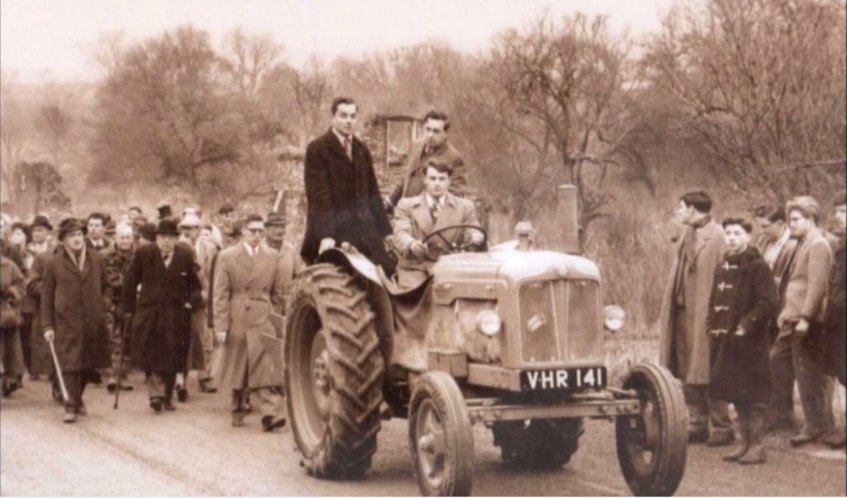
{"x": 440, "y": 437}
{"x": 652, "y": 445}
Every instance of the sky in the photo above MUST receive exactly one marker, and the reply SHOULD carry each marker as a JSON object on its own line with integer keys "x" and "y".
{"x": 43, "y": 40}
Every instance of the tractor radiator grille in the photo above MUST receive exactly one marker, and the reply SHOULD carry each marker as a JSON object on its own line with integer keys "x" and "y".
{"x": 560, "y": 321}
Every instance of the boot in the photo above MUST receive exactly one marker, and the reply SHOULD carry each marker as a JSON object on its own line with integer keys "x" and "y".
{"x": 756, "y": 451}
{"x": 744, "y": 443}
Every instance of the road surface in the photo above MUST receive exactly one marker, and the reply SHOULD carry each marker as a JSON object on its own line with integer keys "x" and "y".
{"x": 195, "y": 451}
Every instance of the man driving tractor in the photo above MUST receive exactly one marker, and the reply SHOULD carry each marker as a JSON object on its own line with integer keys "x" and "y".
{"x": 418, "y": 217}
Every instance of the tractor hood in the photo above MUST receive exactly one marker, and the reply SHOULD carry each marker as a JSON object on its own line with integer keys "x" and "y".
{"x": 514, "y": 266}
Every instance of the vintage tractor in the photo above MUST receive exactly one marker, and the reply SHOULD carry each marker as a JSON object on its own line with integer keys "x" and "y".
{"x": 514, "y": 341}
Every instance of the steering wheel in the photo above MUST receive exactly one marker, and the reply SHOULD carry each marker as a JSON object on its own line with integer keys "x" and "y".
{"x": 451, "y": 248}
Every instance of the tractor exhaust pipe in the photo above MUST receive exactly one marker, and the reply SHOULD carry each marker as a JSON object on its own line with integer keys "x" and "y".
{"x": 567, "y": 212}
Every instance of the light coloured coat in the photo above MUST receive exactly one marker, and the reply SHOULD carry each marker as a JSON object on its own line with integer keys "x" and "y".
{"x": 413, "y": 222}
{"x": 808, "y": 280}
{"x": 247, "y": 290}
{"x": 708, "y": 254}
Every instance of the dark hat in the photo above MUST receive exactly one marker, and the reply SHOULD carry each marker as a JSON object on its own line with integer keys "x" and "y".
{"x": 840, "y": 198}
{"x": 226, "y": 208}
{"x": 276, "y": 219}
{"x": 167, "y": 226}
{"x": 165, "y": 211}
{"x": 111, "y": 226}
{"x": 69, "y": 225}
{"x": 41, "y": 221}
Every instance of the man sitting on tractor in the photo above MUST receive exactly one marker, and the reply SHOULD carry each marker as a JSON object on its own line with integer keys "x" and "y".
{"x": 422, "y": 232}
{"x": 418, "y": 217}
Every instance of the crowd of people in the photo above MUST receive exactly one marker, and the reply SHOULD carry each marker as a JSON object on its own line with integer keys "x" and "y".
{"x": 753, "y": 303}
{"x": 744, "y": 317}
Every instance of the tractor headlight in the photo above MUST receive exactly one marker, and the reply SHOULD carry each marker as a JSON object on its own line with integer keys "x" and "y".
{"x": 488, "y": 322}
{"x": 614, "y": 318}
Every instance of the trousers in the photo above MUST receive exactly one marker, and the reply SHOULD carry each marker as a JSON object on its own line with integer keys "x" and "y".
{"x": 812, "y": 381}
{"x": 160, "y": 384}
{"x": 75, "y": 383}
{"x": 268, "y": 400}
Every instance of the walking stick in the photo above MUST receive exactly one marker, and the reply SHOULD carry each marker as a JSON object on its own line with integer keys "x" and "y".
{"x": 120, "y": 362}
{"x": 65, "y": 396}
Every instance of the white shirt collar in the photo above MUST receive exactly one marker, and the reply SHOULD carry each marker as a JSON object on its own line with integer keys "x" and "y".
{"x": 250, "y": 250}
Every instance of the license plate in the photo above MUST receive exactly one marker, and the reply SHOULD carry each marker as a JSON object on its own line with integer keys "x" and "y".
{"x": 563, "y": 378}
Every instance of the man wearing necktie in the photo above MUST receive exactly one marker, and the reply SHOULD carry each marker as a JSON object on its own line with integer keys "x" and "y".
{"x": 342, "y": 194}
{"x": 160, "y": 312}
{"x": 419, "y": 216}
{"x": 248, "y": 288}
{"x": 96, "y": 239}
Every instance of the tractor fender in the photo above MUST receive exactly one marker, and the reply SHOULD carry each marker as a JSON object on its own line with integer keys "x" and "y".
{"x": 359, "y": 264}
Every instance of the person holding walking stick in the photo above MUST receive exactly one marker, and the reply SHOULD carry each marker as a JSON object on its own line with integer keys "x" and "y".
{"x": 73, "y": 314}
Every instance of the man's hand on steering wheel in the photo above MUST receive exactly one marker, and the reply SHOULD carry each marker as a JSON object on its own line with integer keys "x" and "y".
{"x": 478, "y": 239}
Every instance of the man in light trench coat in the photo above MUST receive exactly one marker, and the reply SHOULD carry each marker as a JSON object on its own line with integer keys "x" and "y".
{"x": 684, "y": 347}
{"x": 248, "y": 288}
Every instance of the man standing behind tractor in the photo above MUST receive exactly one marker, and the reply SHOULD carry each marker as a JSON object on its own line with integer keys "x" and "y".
{"x": 684, "y": 345}
{"x": 161, "y": 311}
{"x": 247, "y": 290}
{"x": 434, "y": 148}
{"x": 73, "y": 313}
{"x": 344, "y": 203}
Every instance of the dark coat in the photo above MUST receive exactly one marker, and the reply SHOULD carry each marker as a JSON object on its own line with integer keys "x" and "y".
{"x": 11, "y": 292}
{"x": 73, "y": 304}
{"x": 161, "y": 322}
{"x": 836, "y": 316}
{"x": 344, "y": 201}
{"x": 743, "y": 295}
{"x": 40, "y": 361}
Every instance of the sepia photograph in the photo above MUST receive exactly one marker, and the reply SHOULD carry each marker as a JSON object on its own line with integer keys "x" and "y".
{"x": 423, "y": 248}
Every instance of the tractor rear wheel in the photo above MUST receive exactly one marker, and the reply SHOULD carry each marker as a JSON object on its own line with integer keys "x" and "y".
{"x": 538, "y": 444}
{"x": 334, "y": 372}
{"x": 652, "y": 445}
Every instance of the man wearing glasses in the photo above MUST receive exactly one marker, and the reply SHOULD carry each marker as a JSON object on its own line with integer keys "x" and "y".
{"x": 247, "y": 290}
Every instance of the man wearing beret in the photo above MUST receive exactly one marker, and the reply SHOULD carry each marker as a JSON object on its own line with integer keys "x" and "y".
{"x": 73, "y": 312}
{"x": 161, "y": 311}
{"x": 803, "y": 307}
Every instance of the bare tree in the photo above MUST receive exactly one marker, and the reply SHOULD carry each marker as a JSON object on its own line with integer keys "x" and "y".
{"x": 54, "y": 125}
{"x": 13, "y": 132}
{"x": 563, "y": 89}
{"x": 246, "y": 58}
{"x": 761, "y": 83}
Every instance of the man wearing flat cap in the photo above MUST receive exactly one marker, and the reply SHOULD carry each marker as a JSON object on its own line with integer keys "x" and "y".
{"x": 73, "y": 312}
{"x": 803, "y": 306}
{"x": 161, "y": 310}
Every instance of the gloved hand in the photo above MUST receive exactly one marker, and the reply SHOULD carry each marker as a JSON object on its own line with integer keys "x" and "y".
{"x": 49, "y": 335}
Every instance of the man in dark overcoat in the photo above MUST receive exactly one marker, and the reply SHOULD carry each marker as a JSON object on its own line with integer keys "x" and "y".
{"x": 742, "y": 305}
{"x": 73, "y": 312}
{"x": 835, "y": 321}
{"x": 161, "y": 310}
{"x": 344, "y": 202}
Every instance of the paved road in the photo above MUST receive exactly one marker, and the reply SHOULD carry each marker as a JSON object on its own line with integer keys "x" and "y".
{"x": 194, "y": 451}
